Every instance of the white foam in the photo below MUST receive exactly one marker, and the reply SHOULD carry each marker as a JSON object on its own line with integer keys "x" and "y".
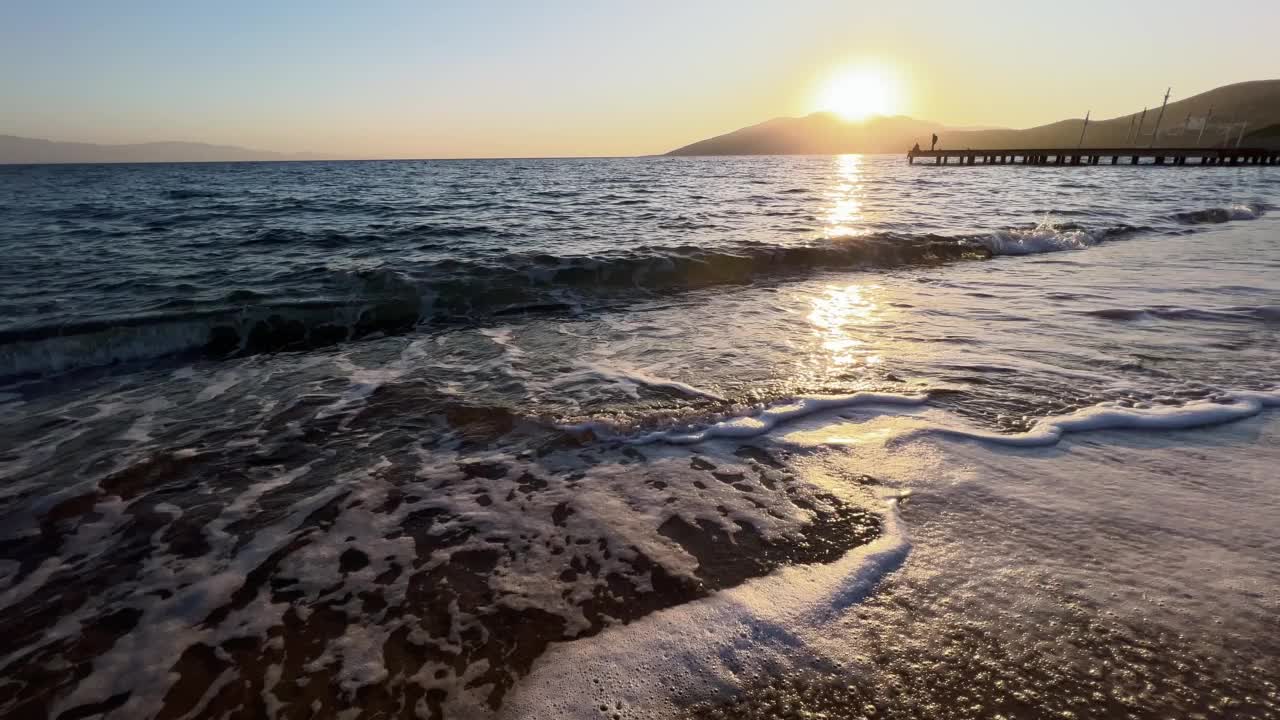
{"x": 1241, "y": 211}
{"x": 1043, "y": 238}
{"x": 797, "y": 617}
{"x": 366, "y": 380}
{"x": 631, "y": 379}
{"x": 513, "y": 356}
{"x": 1050, "y": 430}
{"x": 762, "y": 420}
{"x": 140, "y": 661}
{"x": 645, "y": 669}
{"x": 224, "y": 382}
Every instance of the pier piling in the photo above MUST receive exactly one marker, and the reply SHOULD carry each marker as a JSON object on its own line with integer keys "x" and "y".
{"x": 1207, "y": 157}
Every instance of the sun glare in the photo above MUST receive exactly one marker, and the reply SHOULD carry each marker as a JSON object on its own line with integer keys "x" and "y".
{"x": 859, "y": 92}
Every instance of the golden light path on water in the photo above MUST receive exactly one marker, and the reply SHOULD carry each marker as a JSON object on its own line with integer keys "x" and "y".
{"x": 838, "y": 315}
{"x": 845, "y": 316}
{"x": 846, "y": 217}
{"x": 850, "y": 330}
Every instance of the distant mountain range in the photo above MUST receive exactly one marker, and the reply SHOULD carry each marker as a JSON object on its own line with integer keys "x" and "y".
{"x": 20, "y": 150}
{"x": 1256, "y": 103}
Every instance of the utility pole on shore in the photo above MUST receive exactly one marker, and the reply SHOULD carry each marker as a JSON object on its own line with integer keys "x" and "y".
{"x": 1205, "y": 125}
{"x": 1083, "y": 128}
{"x": 1138, "y": 135}
{"x": 1129, "y": 134}
{"x": 1155, "y": 134}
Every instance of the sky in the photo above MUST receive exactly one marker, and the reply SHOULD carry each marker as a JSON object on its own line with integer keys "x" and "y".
{"x": 394, "y": 78}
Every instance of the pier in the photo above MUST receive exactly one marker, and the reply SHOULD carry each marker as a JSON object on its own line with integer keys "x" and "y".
{"x": 1101, "y": 156}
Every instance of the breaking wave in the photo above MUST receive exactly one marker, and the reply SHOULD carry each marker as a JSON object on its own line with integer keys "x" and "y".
{"x": 1238, "y": 211}
{"x": 377, "y": 302}
{"x": 1050, "y": 237}
{"x": 334, "y": 306}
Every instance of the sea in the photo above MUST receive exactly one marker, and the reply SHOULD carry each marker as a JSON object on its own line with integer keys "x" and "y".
{"x": 660, "y": 437}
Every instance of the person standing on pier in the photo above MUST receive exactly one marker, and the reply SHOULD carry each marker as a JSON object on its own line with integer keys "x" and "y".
{"x": 934, "y": 143}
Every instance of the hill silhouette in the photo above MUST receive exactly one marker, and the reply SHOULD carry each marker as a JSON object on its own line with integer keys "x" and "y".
{"x": 1256, "y": 103}
{"x": 1267, "y": 137}
{"x": 21, "y": 150}
{"x": 819, "y": 133}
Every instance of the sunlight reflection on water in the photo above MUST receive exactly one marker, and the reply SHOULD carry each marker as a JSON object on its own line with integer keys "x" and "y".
{"x": 846, "y": 215}
{"x": 842, "y": 320}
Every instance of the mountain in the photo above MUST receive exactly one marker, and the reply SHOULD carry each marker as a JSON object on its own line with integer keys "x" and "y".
{"x": 1267, "y": 137}
{"x": 819, "y": 133}
{"x": 1256, "y": 103}
{"x": 20, "y": 150}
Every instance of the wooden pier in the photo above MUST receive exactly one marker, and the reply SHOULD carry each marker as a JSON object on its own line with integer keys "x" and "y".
{"x": 1101, "y": 156}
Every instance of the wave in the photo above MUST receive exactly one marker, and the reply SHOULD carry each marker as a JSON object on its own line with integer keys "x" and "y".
{"x": 1238, "y": 313}
{"x": 189, "y": 194}
{"x": 330, "y": 306}
{"x": 1050, "y": 237}
{"x": 1238, "y": 211}
{"x": 341, "y": 305}
{"x": 377, "y": 302}
{"x": 335, "y": 239}
{"x": 762, "y": 419}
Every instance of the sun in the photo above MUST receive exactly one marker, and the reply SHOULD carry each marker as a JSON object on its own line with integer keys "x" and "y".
{"x": 856, "y": 93}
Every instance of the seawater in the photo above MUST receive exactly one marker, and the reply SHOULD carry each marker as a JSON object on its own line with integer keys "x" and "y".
{"x": 642, "y": 437}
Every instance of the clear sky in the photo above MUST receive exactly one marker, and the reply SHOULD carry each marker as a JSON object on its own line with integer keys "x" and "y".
{"x": 395, "y": 78}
